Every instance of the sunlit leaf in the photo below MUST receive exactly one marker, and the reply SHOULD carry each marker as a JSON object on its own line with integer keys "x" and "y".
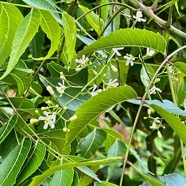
{"x": 52, "y": 29}
{"x": 6, "y": 129}
{"x": 70, "y": 32}
{"x": 11, "y": 165}
{"x": 128, "y": 38}
{"x": 104, "y": 10}
{"x": 91, "y": 143}
{"x": 93, "y": 107}
{"x": 10, "y": 18}
{"x": 62, "y": 178}
{"x": 24, "y": 34}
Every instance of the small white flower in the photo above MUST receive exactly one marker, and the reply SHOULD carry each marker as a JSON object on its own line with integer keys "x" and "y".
{"x": 94, "y": 91}
{"x": 139, "y": 16}
{"x": 61, "y": 88}
{"x": 154, "y": 123}
{"x": 49, "y": 119}
{"x": 112, "y": 83}
{"x": 130, "y": 58}
{"x": 154, "y": 89}
{"x": 116, "y": 50}
{"x": 74, "y": 117}
{"x": 50, "y": 90}
{"x": 150, "y": 52}
{"x": 82, "y": 62}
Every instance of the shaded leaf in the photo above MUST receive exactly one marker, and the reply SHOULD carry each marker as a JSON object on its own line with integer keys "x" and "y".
{"x": 93, "y": 107}
{"x": 10, "y": 18}
{"x": 91, "y": 143}
{"x": 173, "y": 179}
{"x": 173, "y": 121}
{"x": 24, "y": 34}
{"x": 128, "y": 38}
{"x": 6, "y": 129}
{"x": 117, "y": 149}
{"x": 35, "y": 159}
{"x": 11, "y": 165}
{"x": 93, "y": 19}
{"x": 45, "y": 4}
{"x": 38, "y": 179}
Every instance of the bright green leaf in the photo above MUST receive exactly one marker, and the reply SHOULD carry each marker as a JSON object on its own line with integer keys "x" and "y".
{"x": 128, "y": 38}
{"x": 93, "y": 107}
{"x": 11, "y": 165}
{"x": 35, "y": 159}
{"x": 91, "y": 143}
{"x": 24, "y": 34}
{"x": 173, "y": 121}
{"x": 6, "y": 129}
{"x": 181, "y": 66}
{"x": 93, "y": 19}
{"x": 70, "y": 32}
{"x": 104, "y": 10}
{"x": 50, "y": 26}
{"x": 63, "y": 178}
{"x": 10, "y": 18}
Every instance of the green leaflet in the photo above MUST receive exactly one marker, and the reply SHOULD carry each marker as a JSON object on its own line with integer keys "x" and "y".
{"x": 35, "y": 159}
{"x": 173, "y": 121}
{"x": 6, "y": 129}
{"x": 128, "y": 38}
{"x": 93, "y": 19}
{"x": 104, "y": 10}
{"x": 92, "y": 142}
{"x": 10, "y": 18}
{"x": 11, "y": 165}
{"x": 117, "y": 149}
{"x": 93, "y": 107}
{"x": 45, "y": 4}
{"x": 81, "y": 166}
{"x": 70, "y": 32}
{"x": 63, "y": 178}
{"x": 50, "y": 26}
{"x": 24, "y": 34}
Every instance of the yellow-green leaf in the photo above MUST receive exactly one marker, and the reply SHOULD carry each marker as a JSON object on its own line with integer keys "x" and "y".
{"x": 24, "y": 34}
{"x": 10, "y": 18}
{"x": 50, "y": 26}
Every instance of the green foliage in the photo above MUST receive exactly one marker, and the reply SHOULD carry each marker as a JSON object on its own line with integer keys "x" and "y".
{"x": 89, "y": 95}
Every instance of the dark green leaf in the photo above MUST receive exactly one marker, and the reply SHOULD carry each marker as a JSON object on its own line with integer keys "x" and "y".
{"x": 95, "y": 106}
{"x": 35, "y": 158}
{"x": 91, "y": 143}
{"x": 6, "y": 129}
{"x": 11, "y": 165}
{"x": 173, "y": 121}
